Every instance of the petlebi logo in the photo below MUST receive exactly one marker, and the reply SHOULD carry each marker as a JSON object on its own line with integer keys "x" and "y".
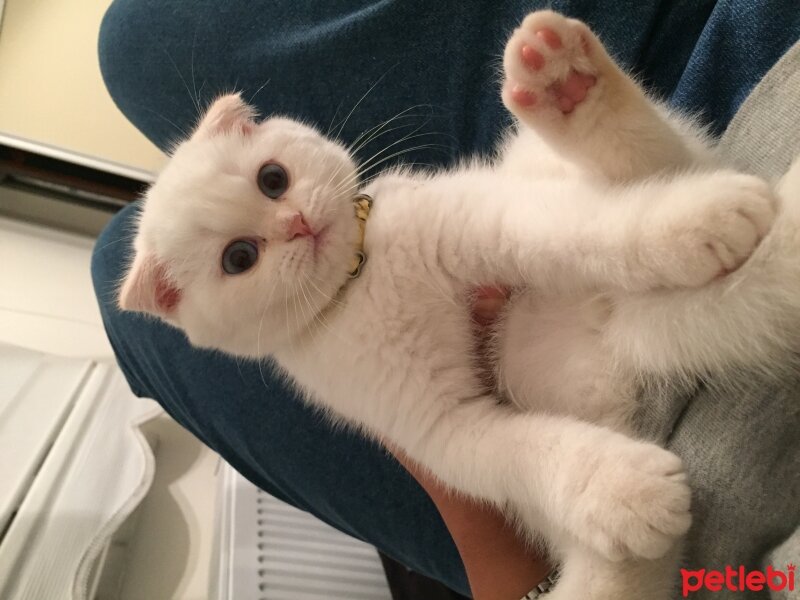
{"x": 738, "y": 580}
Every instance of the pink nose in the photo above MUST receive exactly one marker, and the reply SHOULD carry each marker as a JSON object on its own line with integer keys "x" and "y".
{"x": 298, "y": 227}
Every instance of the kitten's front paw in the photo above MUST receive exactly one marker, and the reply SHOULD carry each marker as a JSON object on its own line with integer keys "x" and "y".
{"x": 551, "y": 63}
{"x": 708, "y": 227}
{"x": 630, "y": 499}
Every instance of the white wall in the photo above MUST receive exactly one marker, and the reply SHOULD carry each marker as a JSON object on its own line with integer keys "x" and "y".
{"x": 51, "y": 89}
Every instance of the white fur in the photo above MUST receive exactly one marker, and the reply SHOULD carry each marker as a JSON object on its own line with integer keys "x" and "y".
{"x": 610, "y": 224}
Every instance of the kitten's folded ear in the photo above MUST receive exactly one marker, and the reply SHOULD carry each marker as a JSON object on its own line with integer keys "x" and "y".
{"x": 148, "y": 288}
{"x": 228, "y": 114}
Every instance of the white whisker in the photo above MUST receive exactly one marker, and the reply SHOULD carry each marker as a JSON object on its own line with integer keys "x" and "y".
{"x": 360, "y": 100}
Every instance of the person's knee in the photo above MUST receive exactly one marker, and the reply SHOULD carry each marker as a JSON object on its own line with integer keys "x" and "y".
{"x": 110, "y": 259}
{"x": 122, "y": 35}
{"x": 139, "y": 46}
{"x": 111, "y": 256}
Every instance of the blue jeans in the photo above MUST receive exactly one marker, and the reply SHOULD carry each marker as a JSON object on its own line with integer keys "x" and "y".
{"x": 163, "y": 61}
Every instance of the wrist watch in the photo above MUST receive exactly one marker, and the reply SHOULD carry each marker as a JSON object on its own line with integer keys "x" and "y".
{"x": 544, "y": 586}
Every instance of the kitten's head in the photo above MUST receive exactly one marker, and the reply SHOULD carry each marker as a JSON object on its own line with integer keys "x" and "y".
{"x": 247, "y": 234}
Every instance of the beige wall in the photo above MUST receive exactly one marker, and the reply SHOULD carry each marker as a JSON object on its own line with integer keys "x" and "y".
{"x": 50, "y": 85}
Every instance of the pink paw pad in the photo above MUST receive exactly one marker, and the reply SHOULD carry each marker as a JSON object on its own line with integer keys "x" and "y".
{"x": 550, "y": 37}
{"x": 533, "y": 58}
{"x": 522, "y": 96}
{"x": 568, "y": 93}
{"x": 572, "y": 91}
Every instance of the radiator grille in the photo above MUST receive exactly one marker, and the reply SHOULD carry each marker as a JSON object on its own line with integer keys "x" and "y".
{"x": 278, "y": 552}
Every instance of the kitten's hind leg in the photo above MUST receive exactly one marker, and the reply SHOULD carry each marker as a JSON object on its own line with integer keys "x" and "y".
{"x": 561, "y": 82}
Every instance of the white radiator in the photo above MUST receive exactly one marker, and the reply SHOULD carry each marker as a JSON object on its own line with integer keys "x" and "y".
{"x": 268, "y": 550}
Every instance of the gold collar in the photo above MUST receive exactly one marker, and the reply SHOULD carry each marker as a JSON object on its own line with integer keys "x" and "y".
{"x": 362, "y": 205}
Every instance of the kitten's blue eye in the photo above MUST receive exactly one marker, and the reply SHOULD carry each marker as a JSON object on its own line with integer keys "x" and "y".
{"x": 273, "y": 180}
{"x": 239, "y": 256}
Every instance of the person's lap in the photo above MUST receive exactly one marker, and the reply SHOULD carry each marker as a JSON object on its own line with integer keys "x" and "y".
{"x": 438, "y": 61}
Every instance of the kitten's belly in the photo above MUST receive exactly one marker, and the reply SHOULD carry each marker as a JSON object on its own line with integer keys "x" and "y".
{"x": 551, "y": 358}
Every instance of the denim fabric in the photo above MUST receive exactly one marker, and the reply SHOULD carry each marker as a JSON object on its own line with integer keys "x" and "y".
{"x": 163, "y": 60}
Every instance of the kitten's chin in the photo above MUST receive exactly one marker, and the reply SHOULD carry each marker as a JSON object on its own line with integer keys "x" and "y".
{"x": 335, "y": 247}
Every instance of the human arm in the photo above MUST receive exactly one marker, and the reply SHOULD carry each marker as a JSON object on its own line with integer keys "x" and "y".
{"x": 499, "y": 565}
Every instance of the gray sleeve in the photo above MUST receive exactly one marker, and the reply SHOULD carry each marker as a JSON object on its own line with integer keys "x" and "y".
{"x": 787, "y": 553}
{"x": 739, "y": 432}
{"x": 764, "y": 136}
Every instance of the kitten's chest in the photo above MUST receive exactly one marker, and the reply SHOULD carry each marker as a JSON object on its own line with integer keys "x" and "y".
{"x": 387, "y": 347}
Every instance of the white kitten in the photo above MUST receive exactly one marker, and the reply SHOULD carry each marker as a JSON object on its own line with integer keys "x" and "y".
{"x": 247, "y": 238}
